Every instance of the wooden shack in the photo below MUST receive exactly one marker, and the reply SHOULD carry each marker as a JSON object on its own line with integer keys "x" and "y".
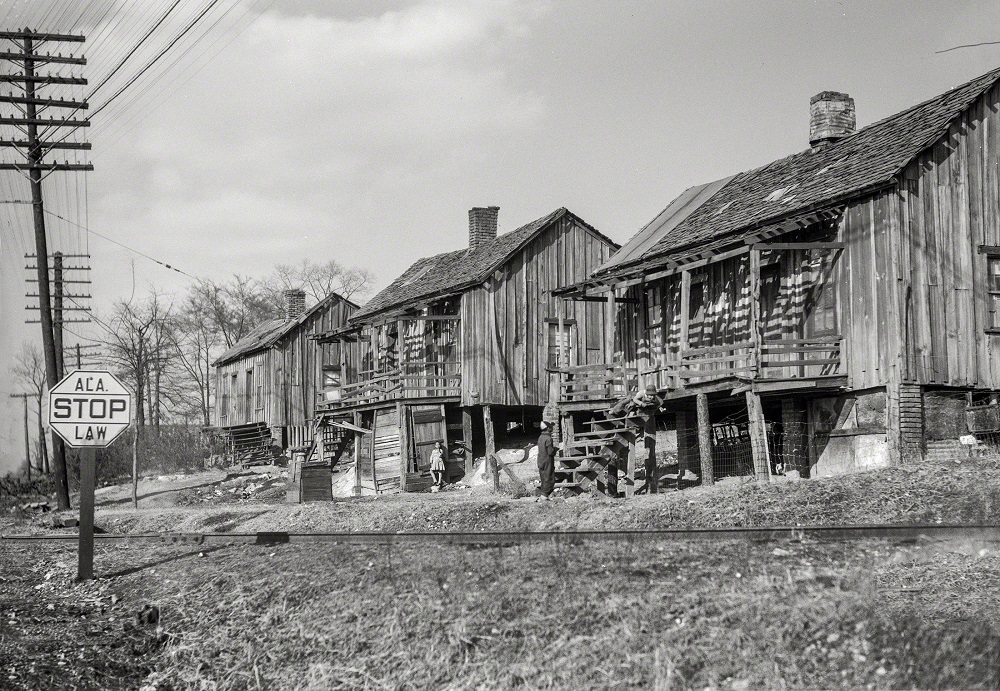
{"x": 807, "y": 317}
{"x": 462, "y": 347}
{"x": 267, "y": 383}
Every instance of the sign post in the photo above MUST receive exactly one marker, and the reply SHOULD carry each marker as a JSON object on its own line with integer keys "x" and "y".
{"x": 89, "y": 409}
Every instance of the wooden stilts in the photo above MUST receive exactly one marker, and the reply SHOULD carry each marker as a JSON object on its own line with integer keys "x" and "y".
{"x": 705, "y": 441}
{"x": 404, "y": 444}
{"x": 357, "y": 456}
{"x": 491, "y": 446}
{"x": 758, "y": 438}
{"x": 630, "y": 471}
{"x": 467, "y": 438}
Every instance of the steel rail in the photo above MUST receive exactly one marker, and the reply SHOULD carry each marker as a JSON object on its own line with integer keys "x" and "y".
{"x": 990, "y": 533}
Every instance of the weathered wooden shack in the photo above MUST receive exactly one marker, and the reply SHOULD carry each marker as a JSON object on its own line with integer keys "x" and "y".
{"x": 812, "y": 315}
{"x": 462, "y": 346}
{"x": 271, "y": 377}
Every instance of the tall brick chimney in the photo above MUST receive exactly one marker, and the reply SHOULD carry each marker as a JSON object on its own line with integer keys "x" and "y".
{"x": 295, "y": 303}
{"x": 831, "y": 117}
{"x": 482, "y": 225}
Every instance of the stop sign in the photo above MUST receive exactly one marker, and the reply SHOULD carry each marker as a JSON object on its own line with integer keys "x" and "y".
{"x": 89, "y": 408}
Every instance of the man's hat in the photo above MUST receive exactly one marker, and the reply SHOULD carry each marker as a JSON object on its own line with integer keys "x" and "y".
{"x": 545, "y": 424}
{"x": 651, "y": 389}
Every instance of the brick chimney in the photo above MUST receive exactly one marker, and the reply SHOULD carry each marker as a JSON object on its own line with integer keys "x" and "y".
{"x": 295, "y": 303}
{"x": 831, "y": 117}
{"x": 482, "y": 225}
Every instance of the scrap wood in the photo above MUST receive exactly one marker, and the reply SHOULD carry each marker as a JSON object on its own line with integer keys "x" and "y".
{"x": 505, "y": 467}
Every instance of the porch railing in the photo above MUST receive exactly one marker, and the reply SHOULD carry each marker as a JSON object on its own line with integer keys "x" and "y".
{"x": 410, "y": 380}
{"x": 595, "y": 382}
{"x": 772, "y": 360}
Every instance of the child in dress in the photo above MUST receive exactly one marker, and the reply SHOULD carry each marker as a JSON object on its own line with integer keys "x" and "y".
{"x": 437, "y": 465}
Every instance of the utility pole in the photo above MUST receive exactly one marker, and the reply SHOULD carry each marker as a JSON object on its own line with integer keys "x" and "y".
{"x": 27, "y": 442}
{"x": 57, "y": 314}
{"x": 34, "y": 149}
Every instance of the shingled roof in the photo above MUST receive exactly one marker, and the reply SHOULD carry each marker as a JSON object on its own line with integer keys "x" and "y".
{"x": 452, "y": 272}
{"x": 270, "y": 332}
{"x": 866, "y": 160}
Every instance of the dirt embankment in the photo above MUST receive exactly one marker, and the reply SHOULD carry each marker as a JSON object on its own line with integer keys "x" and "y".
{"x": 253, "y": 501}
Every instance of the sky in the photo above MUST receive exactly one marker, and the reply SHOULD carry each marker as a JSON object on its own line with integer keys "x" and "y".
{"x": 363, "y": 131}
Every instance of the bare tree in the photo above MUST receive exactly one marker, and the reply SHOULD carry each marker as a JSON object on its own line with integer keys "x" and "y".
{"x": 319, "y": 280}
{"x": 29, "y": 370}
{"x": 135, "y": 349}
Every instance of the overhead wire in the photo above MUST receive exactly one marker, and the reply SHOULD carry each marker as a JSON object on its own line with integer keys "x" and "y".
{"x": 124, "y": 246}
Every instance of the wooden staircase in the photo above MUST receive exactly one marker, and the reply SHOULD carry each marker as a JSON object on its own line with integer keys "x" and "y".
{"x": 589, "y": 460}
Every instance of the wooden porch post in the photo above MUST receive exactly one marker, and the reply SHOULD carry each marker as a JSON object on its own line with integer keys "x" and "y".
{"x": 630, "y": 470}
{"x": 758, "y": 438}
{"x": 705, "y": 441}
{"x": 491, "y": 446}
{"x": 357, "y": 456}
{"x": 682, "y": 341}
{"x": 404, "y": 444}
{"x": 755, "y": 323}
{"x": 467, "y": 438}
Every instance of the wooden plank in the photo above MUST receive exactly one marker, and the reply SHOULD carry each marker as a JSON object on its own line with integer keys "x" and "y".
{"x": 467, "y": 438}
{"x": 491, "y": 447}
{"x": 403, "y": 413}
{"x": 630, "y": 470}
{"x": 685, "y": 309}
{"x": 704, "y": 442}
{"x": 758, "y": 438}
{"x": 755, "y": 322}
{"x": 798, "y": 246}
{"x": 357, "y": 455}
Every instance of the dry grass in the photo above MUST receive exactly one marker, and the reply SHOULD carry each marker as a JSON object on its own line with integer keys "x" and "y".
{"x": 640, "y": 615}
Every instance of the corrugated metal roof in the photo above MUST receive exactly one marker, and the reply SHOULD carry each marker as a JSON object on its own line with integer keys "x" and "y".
{"x": 668, "y": 219}
{"x": 868, "y": 159}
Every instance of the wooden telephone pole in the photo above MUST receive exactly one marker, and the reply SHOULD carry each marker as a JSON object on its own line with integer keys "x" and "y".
{"x": 34, "y": 148}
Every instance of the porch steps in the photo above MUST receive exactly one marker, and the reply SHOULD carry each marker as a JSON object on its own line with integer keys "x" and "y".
{"x": 583, "y": 463}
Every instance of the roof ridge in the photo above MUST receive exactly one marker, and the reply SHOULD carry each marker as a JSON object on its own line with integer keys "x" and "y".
{"x": 867, "y": 159}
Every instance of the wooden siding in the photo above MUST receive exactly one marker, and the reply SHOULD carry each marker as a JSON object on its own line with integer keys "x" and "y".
{"x": 505, "y": 333}
{"x": 949, "y": 205}
{"x": 285, "y": 376}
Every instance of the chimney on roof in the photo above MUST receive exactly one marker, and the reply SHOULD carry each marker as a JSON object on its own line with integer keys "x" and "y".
{"x": 831, "y": 117}
{"x": 295, "y": 303}
{"x": 482, "y": 225}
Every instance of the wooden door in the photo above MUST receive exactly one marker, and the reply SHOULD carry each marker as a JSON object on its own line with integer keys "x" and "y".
{"x": 427, "y": 425}
{"x": 248, "y": 409}
{"x": 386, "y": 450}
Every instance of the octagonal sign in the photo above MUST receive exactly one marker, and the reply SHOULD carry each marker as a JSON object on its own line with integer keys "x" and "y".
{"x": 90, "y": 408}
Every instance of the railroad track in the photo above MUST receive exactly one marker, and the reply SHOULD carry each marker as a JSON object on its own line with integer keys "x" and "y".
{"x": 987, "y": 533}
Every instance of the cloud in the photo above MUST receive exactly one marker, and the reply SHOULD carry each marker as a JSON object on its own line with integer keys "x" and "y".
{"x": 314, "y": 125}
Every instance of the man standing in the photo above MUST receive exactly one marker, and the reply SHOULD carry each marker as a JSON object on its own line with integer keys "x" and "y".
{"x": 546, "y": 461}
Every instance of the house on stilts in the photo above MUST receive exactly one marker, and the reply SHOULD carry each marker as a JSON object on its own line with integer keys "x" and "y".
{"x": 463, "y": 346}
{"x": 266, "y": 384}
{"x": 834, "y": 310}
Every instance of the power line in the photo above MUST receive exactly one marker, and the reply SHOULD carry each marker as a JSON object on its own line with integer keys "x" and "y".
{"x": 122, "y": 245}
{"x": 969, "y": 45}
{"x": 157, "y": 58}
